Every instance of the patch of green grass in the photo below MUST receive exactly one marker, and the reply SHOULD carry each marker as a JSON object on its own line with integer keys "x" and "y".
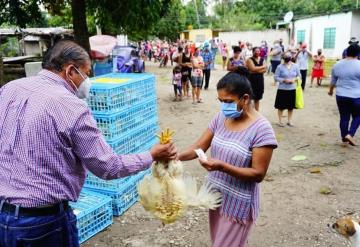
{"x": 329, "y": 63}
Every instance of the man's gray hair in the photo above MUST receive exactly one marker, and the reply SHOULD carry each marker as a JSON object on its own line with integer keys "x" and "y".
{"x": 64, "y": 52}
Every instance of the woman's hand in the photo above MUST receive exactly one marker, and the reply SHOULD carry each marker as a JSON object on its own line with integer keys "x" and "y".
{"x": 212, "y": 164}
{"x": 289, "y": 81}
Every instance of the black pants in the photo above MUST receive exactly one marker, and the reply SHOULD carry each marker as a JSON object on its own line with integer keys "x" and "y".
{"x": 206, "y": 77}
{"x": 303, "y": 78}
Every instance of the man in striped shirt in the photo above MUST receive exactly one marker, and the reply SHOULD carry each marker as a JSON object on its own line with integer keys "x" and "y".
{"x": 48, "y": 138}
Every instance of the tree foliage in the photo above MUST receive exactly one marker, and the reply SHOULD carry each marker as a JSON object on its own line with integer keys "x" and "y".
{"x": 20, "y": 12}
{"x": 172, "y": 23}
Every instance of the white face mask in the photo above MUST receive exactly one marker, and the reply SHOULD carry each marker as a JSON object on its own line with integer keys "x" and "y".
{"x": 83, "y": 91}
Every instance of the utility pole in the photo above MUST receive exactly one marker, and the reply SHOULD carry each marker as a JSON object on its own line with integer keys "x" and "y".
{"x": 197, "y": 13}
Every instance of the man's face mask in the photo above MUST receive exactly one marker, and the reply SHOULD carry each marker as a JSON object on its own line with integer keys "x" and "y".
{"x": 83, "y": 91}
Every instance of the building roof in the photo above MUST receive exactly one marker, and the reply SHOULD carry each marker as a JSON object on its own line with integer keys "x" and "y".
{"x": 36, "y": 31}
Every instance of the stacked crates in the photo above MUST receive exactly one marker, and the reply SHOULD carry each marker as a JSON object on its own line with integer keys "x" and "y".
{"x": 125, "y": 109}
{"x": 93, "y": 213}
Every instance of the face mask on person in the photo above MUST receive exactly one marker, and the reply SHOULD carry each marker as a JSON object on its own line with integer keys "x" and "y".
{"x": 83, "y": 91}
{"x": 230, "y": 110}
{"x": 287, "y": 59}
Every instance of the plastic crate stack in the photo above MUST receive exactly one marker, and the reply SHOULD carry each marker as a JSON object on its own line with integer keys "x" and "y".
{"x": 93, "y": 213}
{"x": 125, "y": 109}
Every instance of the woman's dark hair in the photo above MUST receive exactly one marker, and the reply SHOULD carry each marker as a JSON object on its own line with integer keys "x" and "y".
{"x": 256, "y": 47}
{"x": 353, "y": 50}
{"x": 180, "y": 49}
{"x": 177, "y": 69}
{"x": 62, "y": 53}
{"x": 236, "y": 82}
{"x": 236, "y": 49}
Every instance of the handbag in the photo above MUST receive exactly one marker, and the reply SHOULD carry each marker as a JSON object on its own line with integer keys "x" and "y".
{"x": 299, "y": 97}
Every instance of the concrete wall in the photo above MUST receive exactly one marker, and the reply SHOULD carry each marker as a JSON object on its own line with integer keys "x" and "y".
{"x": 314, "y": 32}
{"x": 355, "y": 24}
{"x": 254, "y": 37}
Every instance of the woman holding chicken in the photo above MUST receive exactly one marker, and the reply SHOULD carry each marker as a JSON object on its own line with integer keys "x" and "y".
{"x": 242, "y": 143}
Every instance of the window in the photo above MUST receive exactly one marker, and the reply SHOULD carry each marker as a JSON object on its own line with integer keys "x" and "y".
{"x": 329, "y": 38}
{"x": 300, "y": 36}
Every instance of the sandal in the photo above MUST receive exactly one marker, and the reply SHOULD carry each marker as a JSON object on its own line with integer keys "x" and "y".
{"x": 280, "y": 125}
{"x": 290, "y": 125}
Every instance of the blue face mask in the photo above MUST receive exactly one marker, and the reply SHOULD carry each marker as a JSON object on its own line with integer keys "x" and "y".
{"x": 230, "y": 110}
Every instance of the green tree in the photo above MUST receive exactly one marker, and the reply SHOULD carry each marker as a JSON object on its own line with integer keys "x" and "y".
{"x": 20, "y": 13}
{"x": 135, "y": 18}
{"x": 170, "y": 25}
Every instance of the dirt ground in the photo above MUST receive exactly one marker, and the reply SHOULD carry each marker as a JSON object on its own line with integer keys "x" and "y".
{"x": 293, "y": 211}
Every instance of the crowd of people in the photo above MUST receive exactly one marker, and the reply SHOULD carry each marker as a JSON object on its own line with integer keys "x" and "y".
{"x": 288, "y": 65}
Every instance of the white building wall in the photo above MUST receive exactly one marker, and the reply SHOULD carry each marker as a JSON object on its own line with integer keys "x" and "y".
{"x": 355, "y": 24}
{"x": 254, "y": 37}
{"x": 314, "y": 32}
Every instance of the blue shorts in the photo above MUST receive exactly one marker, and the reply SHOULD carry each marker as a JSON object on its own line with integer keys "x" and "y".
{"x": 196, "y": 81}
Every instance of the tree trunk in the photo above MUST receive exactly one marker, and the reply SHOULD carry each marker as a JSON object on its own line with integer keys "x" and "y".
{"x": 1, "y": 70}
{"x": 78, "y": 8}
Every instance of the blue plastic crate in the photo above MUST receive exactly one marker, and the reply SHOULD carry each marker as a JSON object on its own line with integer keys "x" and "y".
{"x": 135, "y": 140}
{"x": 114, "y": 92}
{"x": 93, "y": 213}
{"x": 116, "y": 125}
{"x": 124, "y": 197}
{"x": 102, "y": 68}
{"x": 93, "y": 182}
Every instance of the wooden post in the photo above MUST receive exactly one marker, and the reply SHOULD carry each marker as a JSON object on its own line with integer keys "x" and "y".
{"x": 1, "y": 70}
{"x": 1, "y": 66}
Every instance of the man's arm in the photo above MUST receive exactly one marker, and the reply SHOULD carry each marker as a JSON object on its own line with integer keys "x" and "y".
{"x": 91, "y": 149}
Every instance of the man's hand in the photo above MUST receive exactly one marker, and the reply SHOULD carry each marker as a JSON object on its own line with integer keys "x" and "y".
{"x": 211, "y": 164}
{"x": 330, "y": 92}
{"x": 163, "y": 152}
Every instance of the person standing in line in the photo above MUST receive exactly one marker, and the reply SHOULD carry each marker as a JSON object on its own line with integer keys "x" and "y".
{"x": 257, "y": 67}
{"x": 186, "y": 68}
{"x": 176, "y": 82}
{"x": 302, "y": 58}
{"x": 48, "y": 141}
{"x": 224, "y": 54}
{"x": 264, "y": 51}
{"x": 352, "y": 41}
{"x": 197, "y": 76}
{"x": 286, "y": 74}
{"x": 236, "y": 61}
{"x": 214, "y": 49}
{"x": 276, "y": 54}
{"x": 242, "y": 143}
{"x": 207, "y": 58}
{"x": 247, "y": 52}
{"x": 318, "y": 68}
{"x": 281, "y": 45}
{"x": 345, "y": 77}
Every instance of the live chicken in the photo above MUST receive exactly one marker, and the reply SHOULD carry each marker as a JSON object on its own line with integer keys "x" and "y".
{"x": 166, "y": 193}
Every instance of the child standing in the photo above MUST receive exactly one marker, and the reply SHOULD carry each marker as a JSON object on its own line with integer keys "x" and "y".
{"x": 176, "y": 81}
